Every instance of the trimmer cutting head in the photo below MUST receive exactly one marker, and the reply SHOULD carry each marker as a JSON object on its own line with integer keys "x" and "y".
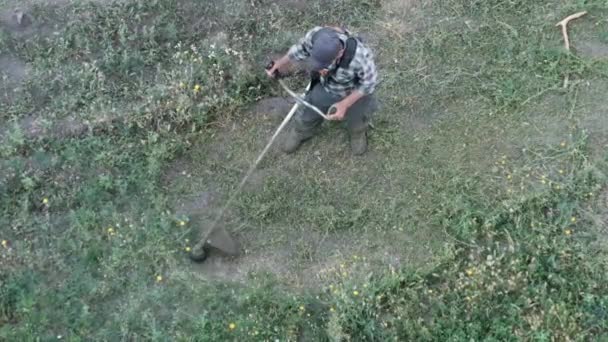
{"x": 198, "y": 254}
{"x": 218, "y": 239}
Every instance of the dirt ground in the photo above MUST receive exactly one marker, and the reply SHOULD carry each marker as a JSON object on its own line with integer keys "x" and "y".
{"x": 299, "y": 255}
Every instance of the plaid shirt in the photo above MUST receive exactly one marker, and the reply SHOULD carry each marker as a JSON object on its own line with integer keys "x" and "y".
{"x": 361, "y": 73}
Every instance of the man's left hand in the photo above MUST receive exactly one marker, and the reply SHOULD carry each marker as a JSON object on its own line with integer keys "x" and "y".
{"x": 340, "y": 112}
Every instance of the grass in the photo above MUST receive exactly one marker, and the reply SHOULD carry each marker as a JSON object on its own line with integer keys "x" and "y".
{"x": 485, "y": 178}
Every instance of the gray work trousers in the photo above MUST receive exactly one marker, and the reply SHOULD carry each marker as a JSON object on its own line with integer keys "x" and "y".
{"x": 357, "y": 117}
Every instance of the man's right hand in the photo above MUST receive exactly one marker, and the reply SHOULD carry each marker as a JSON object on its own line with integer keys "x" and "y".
{"x": 272, "y": 71}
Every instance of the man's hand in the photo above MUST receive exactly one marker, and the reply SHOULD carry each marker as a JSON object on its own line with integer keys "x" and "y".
{"x": 339, "y": 111}
{"x": 273, "y": 71}
{"x": 342, "y": 106}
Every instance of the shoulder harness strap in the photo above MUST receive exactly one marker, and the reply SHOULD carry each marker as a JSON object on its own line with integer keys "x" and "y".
{"x": 349, "y": 50}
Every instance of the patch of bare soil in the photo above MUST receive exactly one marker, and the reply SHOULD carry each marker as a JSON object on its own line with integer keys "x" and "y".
{"x": 593, "y": 49}
{"x": 276, "y": 107}
{"x": 36, "y": 126}
{"x": 12, "y": 73}
{"x": 20, "y": 23}
{"x": 593, "y": 114}
{"x": 310, "y": 259}
{"x": 16, "y": 20}
{"x": 420, "y": 117}
{"x": 400, "y": 17}
{"x": 298, "y": 256}
{"x": 13, "y": 70}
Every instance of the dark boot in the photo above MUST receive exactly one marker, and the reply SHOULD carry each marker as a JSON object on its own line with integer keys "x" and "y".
{"x": 293, "y": 141}
{"x": 358, "y": 141}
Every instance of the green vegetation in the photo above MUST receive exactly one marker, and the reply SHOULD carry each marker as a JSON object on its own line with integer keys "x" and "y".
{"x": 486, "y": 178}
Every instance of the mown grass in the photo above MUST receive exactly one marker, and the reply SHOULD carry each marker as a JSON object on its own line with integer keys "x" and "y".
{"x": 93, "y": 248}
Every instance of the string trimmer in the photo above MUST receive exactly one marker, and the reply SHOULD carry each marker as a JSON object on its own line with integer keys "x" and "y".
{"x": 218, "y": 237}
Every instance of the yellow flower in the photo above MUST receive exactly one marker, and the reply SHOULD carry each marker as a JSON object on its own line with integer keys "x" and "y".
{"x": 182, "y": 85}
{"x": 568, "y": 232}
{"x": 182, "y": 223}
{"x": 561, "y": 172}
{"x": 355, "y": 293}
{"x": 159, "y": 278}
{"x": 332, "y": 309}
{"x": 470, "y": 272}
{"x": 563, "y": 144}
{"x": 110, "y": 230}
{"x": 509, "y": 177}
{"x": 197, "y": 88}
{"x": 4, "y": 243}
{"x": 573, "y": 219}
{"x": 45, "y": 201}
{"x": 188, "y": 249}
{"x": 301, "y": 307}
{"x": 231, "y": 326}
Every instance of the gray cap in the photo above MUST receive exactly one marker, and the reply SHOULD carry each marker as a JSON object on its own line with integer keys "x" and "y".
{"x": 325, "y": 47}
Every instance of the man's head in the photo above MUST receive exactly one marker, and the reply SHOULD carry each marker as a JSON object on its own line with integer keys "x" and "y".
{"x": 326, "y": 48}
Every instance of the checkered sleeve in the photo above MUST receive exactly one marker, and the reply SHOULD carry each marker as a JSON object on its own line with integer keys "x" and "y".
{"x": 301, "y": 50}
{"x": 366, "y": 71}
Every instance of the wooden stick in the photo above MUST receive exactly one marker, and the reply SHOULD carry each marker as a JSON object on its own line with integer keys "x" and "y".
{"x": 564, "y": 24}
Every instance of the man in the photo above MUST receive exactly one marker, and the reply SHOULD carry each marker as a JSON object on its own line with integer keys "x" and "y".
{"x": 346, "y": 78}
